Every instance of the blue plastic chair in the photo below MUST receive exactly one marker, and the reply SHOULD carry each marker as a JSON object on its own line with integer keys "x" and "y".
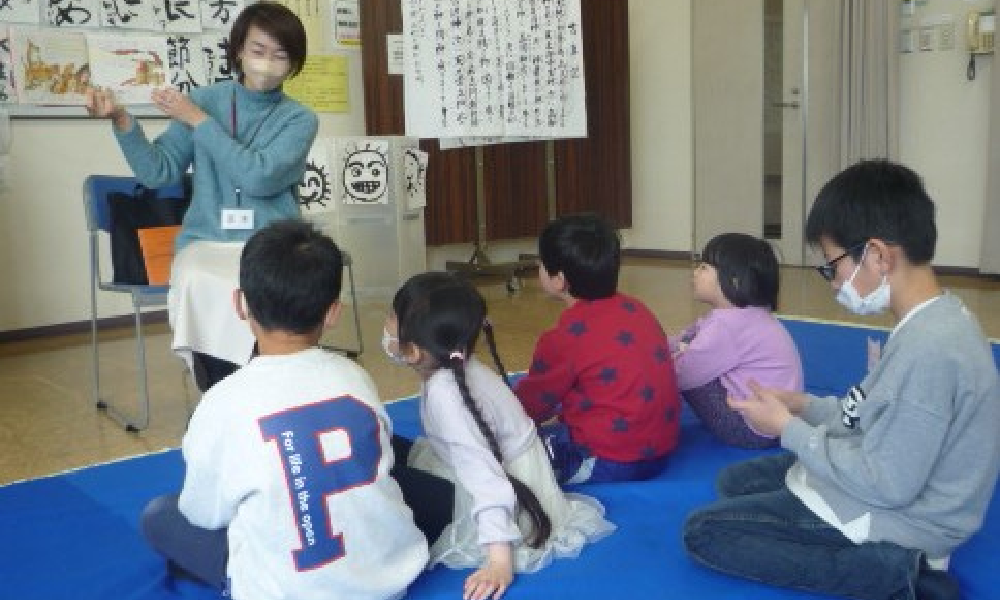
{"x": 96, "y": 189}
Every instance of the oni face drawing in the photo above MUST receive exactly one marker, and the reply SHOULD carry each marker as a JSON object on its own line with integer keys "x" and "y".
{"x": 365, "y": 175}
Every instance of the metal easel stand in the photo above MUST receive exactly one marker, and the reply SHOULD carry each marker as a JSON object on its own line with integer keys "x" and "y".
{"x": 479, "y": 264}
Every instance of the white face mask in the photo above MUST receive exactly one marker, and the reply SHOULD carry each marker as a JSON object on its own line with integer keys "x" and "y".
{"x": 263, "y": 74}
{"x": 872, "y": 304}
{"x": 387, "y": 340}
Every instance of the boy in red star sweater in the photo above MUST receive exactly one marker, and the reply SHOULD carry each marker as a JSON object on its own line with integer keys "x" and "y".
{"x": 601, "y": 384}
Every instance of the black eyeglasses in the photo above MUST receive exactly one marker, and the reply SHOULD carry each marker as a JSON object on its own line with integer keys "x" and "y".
{"x": 698, "y": 259}
{"x": 828, "y": 270}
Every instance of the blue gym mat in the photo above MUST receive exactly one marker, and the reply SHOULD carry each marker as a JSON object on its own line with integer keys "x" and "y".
{"x": 74, "y": 535}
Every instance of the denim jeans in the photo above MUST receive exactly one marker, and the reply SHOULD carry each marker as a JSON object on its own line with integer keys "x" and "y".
{"x": 573, "y": 463}
{"x": 759, "y": 530}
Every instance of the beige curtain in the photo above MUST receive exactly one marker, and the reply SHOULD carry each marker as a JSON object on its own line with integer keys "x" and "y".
{"x": 989, "y": 252}
{"x": 869, "y": 80}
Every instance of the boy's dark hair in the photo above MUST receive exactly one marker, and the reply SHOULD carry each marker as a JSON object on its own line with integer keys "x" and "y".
{"x": 275, "y": 20}
{"x": 443, "y": 314}
{"x": 747, "y": 268}
{"x": 586, "y": 249}
{"x": 875, "y": 199}
{"x": 290, "y": 275}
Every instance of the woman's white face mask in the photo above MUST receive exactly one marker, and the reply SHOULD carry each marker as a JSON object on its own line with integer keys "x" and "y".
{"x": 264, "y": 74}
{"x": 874, "y": 303}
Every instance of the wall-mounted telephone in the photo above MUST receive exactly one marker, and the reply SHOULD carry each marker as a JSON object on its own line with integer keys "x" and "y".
{"x": 981, "y": 30}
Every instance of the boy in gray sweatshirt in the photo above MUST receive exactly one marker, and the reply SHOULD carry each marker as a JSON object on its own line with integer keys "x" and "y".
{"x": 880, "y": 486}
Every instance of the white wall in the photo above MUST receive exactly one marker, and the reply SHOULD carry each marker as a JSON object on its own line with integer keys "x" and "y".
{"x": 944, "y": 122}
{"x": 662, "y": 158}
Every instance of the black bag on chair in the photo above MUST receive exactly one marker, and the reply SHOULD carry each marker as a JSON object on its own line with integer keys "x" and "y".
{"x": 130, "y": 212}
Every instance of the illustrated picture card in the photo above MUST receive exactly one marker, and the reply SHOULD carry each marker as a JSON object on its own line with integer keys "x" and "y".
{"x": 50, "y": 67}
{"x": 131, "y": 66}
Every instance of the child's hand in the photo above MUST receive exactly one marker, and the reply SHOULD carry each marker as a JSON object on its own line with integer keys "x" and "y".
{"x": 493, "y": 578}
{"x": 765, "y": 412}
{"x": 794, "y": 401}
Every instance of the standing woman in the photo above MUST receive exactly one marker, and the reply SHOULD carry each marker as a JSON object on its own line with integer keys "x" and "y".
{"x": 247, "y": 143}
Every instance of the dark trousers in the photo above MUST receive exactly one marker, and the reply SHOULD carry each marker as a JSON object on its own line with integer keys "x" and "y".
{"x": 209, "y": 370}
{"x": 190, "y": 550}
{"x": 431, "y": 498}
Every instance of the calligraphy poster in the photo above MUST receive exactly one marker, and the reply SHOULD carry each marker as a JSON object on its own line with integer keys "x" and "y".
{"x": 482, "y": 68}
{"x": 72, "y": 13}
{"x": 128, "y": 14}
{"x": 185, "y": 62}
{"x": 215, "y": 58}
{"x": 177, "y": 16}
{"x": 49, "y": 67}
{"x": 7, "y": 91}
{"x": 219, "y": 14}
{"x": 28, "y": 12}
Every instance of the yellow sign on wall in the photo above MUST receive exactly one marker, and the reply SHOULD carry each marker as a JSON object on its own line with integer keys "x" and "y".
{"x": 322, "y": 84}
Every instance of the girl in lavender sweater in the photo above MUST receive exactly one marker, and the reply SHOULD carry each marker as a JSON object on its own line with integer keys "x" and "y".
{"x": 738, "y": 341}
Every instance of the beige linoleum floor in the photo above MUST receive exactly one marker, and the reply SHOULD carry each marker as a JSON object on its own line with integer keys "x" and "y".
{"x": 48, "y": 422}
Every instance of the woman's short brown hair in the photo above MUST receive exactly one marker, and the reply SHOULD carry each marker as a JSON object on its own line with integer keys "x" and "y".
{"x": 275, "y": 20}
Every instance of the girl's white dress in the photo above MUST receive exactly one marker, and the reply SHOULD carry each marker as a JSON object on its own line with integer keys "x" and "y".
{"x": 485, "y": 506}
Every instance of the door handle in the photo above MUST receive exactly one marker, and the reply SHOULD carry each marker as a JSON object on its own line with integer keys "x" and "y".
{"x": 789, "y": 104}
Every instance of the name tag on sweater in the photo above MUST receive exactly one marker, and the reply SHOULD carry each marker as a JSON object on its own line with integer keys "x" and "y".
{"x": 237, "y": 218}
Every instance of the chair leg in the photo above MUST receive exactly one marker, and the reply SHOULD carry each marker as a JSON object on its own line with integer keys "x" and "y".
{"x": 357, "y": 313}
{"x": 352, "y": 352}
{"x": 142, "y": 401}
{"x": 95, "y": 358}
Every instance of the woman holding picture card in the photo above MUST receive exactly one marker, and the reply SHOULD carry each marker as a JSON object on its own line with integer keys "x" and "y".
{"x": 246, "y": 143}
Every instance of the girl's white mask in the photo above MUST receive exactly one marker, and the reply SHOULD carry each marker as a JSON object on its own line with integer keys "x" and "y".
{"x": 387, "y": 340}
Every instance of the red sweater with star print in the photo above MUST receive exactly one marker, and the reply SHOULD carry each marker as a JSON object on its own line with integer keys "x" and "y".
{"x": 605, "y": 370}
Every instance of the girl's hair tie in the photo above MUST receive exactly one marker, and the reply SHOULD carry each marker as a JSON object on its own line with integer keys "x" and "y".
{"x": 456, "y": 355}
{"x": 487, "y": 324}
